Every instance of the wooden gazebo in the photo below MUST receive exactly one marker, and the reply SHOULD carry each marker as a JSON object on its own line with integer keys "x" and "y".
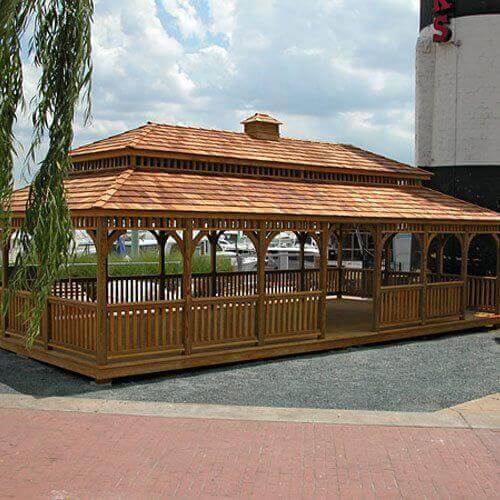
{"x": 189, "y": 184}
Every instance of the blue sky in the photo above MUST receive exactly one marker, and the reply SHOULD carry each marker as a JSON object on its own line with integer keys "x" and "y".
{"x": 334, "y": 70}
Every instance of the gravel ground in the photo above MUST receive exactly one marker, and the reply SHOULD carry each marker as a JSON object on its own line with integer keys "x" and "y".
{"x": 421, "y": 375}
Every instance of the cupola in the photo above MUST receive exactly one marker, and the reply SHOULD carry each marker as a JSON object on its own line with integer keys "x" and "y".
{"x": 262, "y": 126}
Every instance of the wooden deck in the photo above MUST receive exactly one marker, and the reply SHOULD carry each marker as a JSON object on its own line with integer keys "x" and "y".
{"x": 351, "y": 318}
{"x": 348, "y": 324}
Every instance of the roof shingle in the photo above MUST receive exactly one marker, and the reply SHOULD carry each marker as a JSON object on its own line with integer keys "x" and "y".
{"x": 174, "y": 192}
{"x": 214, "y": 144}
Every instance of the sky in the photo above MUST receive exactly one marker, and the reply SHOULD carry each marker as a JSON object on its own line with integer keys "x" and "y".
{"x": 333, "y": 70}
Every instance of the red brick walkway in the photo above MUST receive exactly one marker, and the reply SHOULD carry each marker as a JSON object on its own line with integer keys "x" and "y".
{"x": 51, "y": 454}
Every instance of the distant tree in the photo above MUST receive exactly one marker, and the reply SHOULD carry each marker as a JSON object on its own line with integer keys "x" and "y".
{"x": 55, "y": 35}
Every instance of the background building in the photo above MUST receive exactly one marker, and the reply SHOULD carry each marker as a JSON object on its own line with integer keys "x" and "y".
{"x": 458, "y": 99}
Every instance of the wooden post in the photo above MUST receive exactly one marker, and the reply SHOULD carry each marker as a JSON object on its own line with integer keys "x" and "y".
{"x": 497, "y": 281}
{"x": 213, "y": 238}
{"x": 162, "y": 240}
{"x": 424, "y": 244}
{"x": 377, "y": 279}
{"x": 5, "y": 280}
{"x": 465, "y": 240}
{"x": 323, "y": 282}
{"x": 102, "y": 291}
{"x": 302, "y": 244}
{"x": 340, "y": 260}
{"x": 261, "y": 282}
{"x": 440, "y": 255}
{"x": 186, "y": 286}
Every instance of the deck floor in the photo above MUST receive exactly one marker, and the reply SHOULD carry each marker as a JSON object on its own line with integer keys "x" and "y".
{"x": 348, "y": 317}
{"x": 352, "y": 317}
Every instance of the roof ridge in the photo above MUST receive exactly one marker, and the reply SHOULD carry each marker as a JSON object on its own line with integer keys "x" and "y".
{"x": 205, "y": 129}
{"x": 118, "y": 182}
{"x": 109, "y": 137}
{"x": 148, "y": 128}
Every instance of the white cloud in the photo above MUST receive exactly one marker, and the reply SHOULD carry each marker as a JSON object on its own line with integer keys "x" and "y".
{"x": 222, "y": 14}
{"x": 328, "y": 69}
{"x": 186, "y": 17}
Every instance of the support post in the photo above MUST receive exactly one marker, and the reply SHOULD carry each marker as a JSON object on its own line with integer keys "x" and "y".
{"x": 261, "y": 282}
{"x": 162, "y": 240}
{"x": 5, "y": 280}
{"x": 213, "y": 238}
{"x": 302, "y": 244}
{"x": 465, "y": 240}
{"x": 424, "y": 242}
{"x": 440, "y": 255}
{"x": 102, "y": 292}
{"x": 497, "y": 281}
{"x": 186, "y": 286}
{"x": 340, "y": 260}
{"x": 377, "y": 279}
{"x": 323, "y": 270}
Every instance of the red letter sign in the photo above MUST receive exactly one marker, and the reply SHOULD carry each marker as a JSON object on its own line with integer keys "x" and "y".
{"x": 442, "y": 20}
{"x": 440, "y": 5}
{"x": 441, "y": 25}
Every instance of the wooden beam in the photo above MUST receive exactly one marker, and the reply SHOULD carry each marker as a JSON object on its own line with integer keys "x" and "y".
{"x": 497, "y": 282}
{"x": 5, "y": 278}
{"x": 323, "y": 271}
{"x": 261, "y": 282}
{"x": 186, "y": 286}
{"x": 102, "y": 291}
{"x": 424, "y": 245}
{"x": 162, "y": 240}
{"x": 465, "y": 240}
{"x": 213, "y": 238}
{"x": 377, "y": 279}
{"x": 440, "y": 254}
{"x": 340, "y": 260}
{"x": 302, "y": 243}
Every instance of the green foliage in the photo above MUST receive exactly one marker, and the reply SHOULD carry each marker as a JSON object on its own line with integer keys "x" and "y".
{"x": 144, "y": 264}
{"x": 60, "y": 48}
{"x": 13, "y": 17}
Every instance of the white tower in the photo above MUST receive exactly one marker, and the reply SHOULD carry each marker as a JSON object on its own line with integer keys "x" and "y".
{"x": 458, "y": 98}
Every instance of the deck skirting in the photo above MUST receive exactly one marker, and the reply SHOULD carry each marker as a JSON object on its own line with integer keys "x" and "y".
{"x": 177, "y": 360}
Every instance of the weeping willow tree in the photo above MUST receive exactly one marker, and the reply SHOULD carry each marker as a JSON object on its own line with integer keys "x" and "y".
{"x": 55, "y": 36}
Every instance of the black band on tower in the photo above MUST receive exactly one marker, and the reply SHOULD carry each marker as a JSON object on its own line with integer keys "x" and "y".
{"x": 461, "y": 8}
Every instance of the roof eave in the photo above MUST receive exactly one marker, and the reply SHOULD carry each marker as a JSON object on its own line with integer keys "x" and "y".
{"x": 128, "y": 150}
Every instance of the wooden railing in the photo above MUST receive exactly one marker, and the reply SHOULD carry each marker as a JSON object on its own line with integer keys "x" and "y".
{"x": 146, "y": 288}
{"x": 216, "y": 321}
{"x": 400, "y": 305}
{"x": 400, "y": 278}
{"x": 236, "y": 284}
{"x": 291, "y": 314}
{"x": 72, "y": 325}
{"x": 443, "y": 299}
{"x": 481, "y": 292}
{"x": 357, "y": 282}
{"x": 332, "y": 280}
{"x": 145, "y": 327}
{"x": 443, "y": 278}
{"x": 18, "y": 304}
{"x": 81, "y": 289}
{"x": 133, "y": 289}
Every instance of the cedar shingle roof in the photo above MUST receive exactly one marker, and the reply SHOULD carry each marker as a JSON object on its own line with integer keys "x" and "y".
{"x": 219, "y": 144}
{"x": 174, "y": 192}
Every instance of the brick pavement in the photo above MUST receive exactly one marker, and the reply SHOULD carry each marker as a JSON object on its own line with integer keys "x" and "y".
{"x": 56, "y": 454}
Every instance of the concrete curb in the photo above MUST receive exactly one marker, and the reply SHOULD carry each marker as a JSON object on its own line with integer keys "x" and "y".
{"x": 449, "y": 418}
